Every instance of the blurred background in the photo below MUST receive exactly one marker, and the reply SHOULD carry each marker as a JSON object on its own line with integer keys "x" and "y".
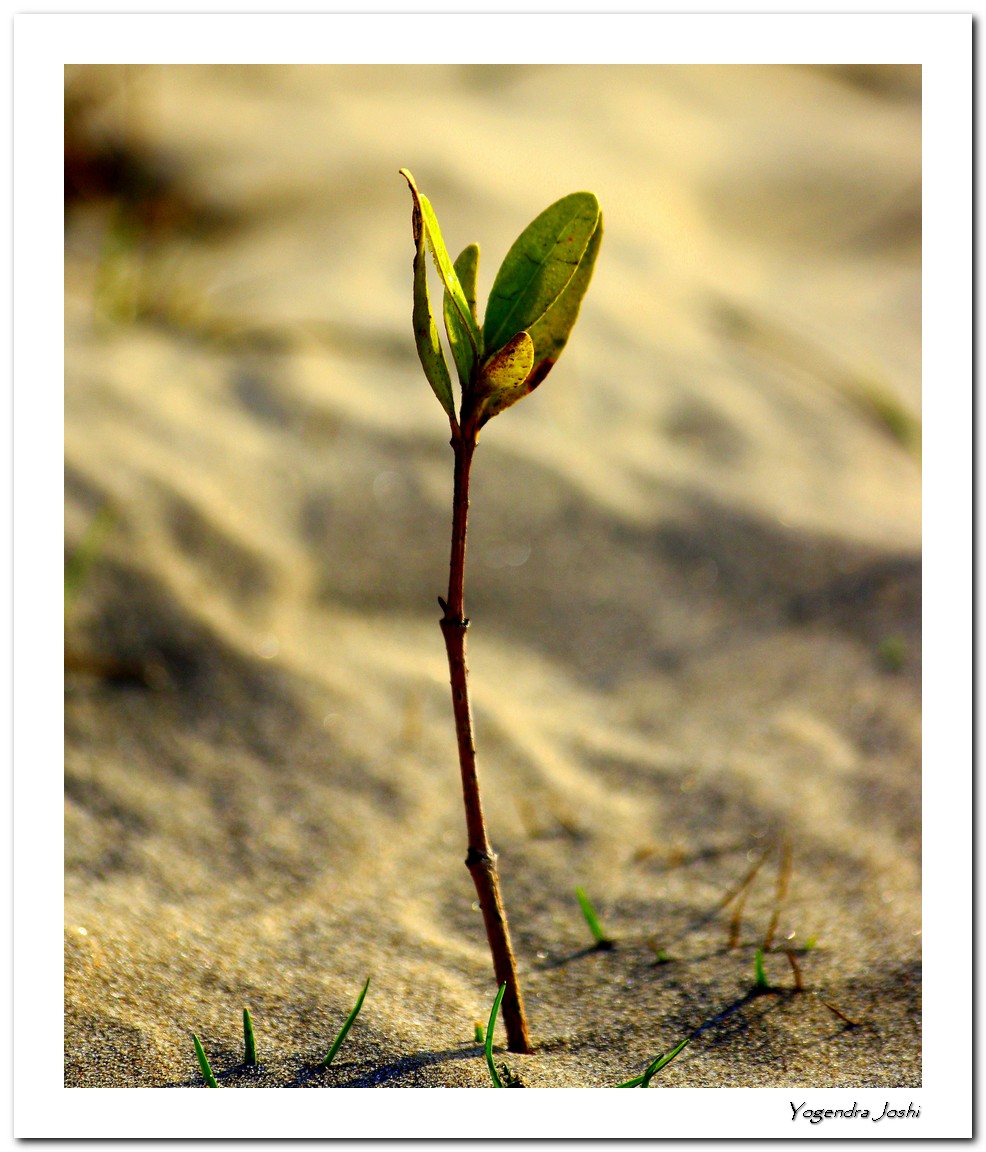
{"x": 694, "y": 560}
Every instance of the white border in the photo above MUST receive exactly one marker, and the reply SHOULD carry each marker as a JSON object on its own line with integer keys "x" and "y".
{"x": 43, "y": 43}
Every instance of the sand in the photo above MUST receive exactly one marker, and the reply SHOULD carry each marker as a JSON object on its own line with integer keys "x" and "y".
{"x": 694, "y": 580}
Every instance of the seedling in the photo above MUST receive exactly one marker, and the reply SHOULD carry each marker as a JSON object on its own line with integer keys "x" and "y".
{"x": 489, "y": 1037}
{"x": 210, "y": 1080}
{"x": 478, "y": 1035}
{"x": 249, "y": 1044}
{"x": 531, "y": 309}
{"x": 603, "y": 942}
{"x": 654, "y": 1067}
{"x": 343, "y": 1031}
{"x": 642, "y": 1081}
{"x": 760, "y": 977}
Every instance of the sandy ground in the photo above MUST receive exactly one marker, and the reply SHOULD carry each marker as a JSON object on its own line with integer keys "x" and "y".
{"x": 694, "y": 579}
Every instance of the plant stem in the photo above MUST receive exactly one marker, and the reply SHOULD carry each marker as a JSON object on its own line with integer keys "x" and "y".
{"x": 480, "y": 857}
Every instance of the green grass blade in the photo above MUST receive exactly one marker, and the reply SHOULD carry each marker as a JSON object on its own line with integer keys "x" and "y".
{"x": 478, "y": 1035}
{"x": 662, "y": 1062}
{"x": 654, "y": 1067}
{"x": 204, "y": 1064}
{"x": 489, "y": 1037}
{"x": 425, "y": 332}
{"x": 337, "y": 1043}
{"x": 759, "y": 974}
{"x": 249, "y": 1043}
{"x": 538, "y": 267}
{"x": 592, "y": 919}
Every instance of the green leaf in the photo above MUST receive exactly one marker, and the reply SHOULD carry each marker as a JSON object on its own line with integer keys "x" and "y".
{"x": 550, "y": 334}
{"x": 343, "y": 1031}
{"x": 589, "y": 912}
{"x": 425, "y": 332}
{"x": 538, "y": 267}
{"x": 503, "y": 379}
{"x": 489, "y": 1037}
{"x": 654, "y": 1067}
{"x": 661, "y": 1062}
{"x": 249, "y": 1042}
{"x": 204, "y": 1064}
{"x": 447, "y": 272}
{"x": 466, "y": 268}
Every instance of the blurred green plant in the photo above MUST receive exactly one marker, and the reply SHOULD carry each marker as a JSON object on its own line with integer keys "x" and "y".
{"x": 78, "y": 568}
{"x": 79, "y": 564}
{"x": 760, "y": 982}
{"x": 603, "y": 942}
{"x": 138, "y": 281}
{"x": 532, "y": 307}
{"x": 892, "y": 653}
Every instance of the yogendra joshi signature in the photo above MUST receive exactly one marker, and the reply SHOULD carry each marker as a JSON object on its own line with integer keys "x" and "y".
{"x": 817, "y": 1115}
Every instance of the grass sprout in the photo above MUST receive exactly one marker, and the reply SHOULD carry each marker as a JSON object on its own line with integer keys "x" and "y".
{"x": 210, "y": 1079}
{"x": 654, "y": 1067}
{"x": 489, "y": 1037}
{"x": 249, "y": 1043}
{"x": 478, "y": 1034}
{"x": 600, "y": 937}
{"x": 761, "y": 982}
{"x": 343, "y": 1031}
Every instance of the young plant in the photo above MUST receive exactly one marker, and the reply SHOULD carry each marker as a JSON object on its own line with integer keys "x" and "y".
{"x": 603, "y": 942}
{"x": 343, "y": 1031}
{"x": 207, "y": 1073}
{"x": 642, "y": 1081}
{"x": 531, "y": 309}
{"x": 249, "y": 1042}
{"x": 494, "y": 1075}
{"x": 760, "y": 981}
{"x": 654, "y": 1067}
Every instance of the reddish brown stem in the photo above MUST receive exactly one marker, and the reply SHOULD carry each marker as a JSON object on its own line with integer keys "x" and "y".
{"x": 480, "y": 857}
